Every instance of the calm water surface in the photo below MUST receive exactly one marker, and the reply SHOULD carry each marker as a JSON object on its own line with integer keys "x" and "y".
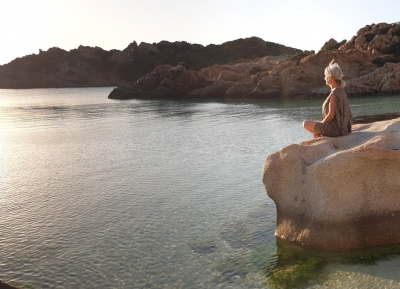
{"x": 98, "y": 193}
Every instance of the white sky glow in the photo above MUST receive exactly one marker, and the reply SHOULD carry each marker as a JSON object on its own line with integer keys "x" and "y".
{"x": 27, "y": 26}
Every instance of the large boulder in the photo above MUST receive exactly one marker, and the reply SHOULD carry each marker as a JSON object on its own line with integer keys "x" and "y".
{"x": 338, "y": 193}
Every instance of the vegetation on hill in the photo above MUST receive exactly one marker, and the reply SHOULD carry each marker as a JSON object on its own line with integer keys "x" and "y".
{"x": 393, "y": 55}
{"x": 93, "y": 66}
{"x": 300, "y": 55}
{"x": 197, "y": 56}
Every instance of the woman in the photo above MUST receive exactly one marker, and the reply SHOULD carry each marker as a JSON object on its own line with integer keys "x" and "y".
{"x": 336, "y": 113}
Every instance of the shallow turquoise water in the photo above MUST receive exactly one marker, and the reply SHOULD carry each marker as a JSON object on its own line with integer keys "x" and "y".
{"x": 98, "y": 193}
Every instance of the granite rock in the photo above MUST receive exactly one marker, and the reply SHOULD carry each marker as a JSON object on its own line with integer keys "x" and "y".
{"x": 338, "y": 193}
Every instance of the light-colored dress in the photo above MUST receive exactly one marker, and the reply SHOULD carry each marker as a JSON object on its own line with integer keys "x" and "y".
{"x": 341, "y": 123}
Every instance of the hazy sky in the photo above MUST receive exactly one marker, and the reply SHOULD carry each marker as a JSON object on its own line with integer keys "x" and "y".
{"x": 30, "y": 25}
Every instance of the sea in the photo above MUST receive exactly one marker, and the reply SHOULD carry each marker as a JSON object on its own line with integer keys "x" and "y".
{"x": 100, "y": 193}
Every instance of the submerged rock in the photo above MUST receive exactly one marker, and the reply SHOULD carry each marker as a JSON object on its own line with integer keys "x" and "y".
{"x": 6, "y": 286}
{"x": 338, "y": 193}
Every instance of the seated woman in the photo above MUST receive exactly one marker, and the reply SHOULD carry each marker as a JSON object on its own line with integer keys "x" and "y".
{"x": 336, "y": 113}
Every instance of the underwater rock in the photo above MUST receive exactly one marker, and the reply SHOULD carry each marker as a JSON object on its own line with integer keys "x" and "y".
{"x": 6, "y": 286}
{"x": 338, "y": 193}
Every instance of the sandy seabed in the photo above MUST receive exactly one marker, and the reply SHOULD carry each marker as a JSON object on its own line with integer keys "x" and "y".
{"x": 385, "y": 274}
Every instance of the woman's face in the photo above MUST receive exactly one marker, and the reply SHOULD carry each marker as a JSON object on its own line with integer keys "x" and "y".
{"x": 328, "y": 79}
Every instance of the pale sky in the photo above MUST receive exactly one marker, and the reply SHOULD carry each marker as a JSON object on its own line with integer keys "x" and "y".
{"x": 30, "y": 25}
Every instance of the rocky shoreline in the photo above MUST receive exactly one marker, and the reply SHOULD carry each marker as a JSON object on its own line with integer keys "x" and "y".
{"x": 249, "y": 68}
{"x": 370, "y": 60}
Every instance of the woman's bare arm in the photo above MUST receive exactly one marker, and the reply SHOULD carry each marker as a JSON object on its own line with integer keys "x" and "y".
{"x": 332, "y": 106}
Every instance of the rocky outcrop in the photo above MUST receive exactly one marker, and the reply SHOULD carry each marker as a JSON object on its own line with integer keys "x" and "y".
{"x": 332, "y": 44}
{"x": 380, "y": 37}
{"x": 246, "y": 68}
{"x": 302, "y": 77}
{"x": 85, "y": 66}
{"x": 230, "y": 80}
{"x": 165, "y": 80}
{"x": 381, "y": 41}
{"x": 93, "y": 66}
{"x": 338, "y": 193}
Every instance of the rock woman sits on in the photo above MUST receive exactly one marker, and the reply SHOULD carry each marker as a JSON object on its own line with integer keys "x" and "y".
{"x": 336, "y": 113}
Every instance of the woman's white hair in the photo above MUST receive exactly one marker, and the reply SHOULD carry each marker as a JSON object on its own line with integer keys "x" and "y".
{"x": 335, "y": 71}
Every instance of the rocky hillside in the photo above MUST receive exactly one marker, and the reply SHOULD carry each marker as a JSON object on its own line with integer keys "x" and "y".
{"x": 370, "y": 61}
{"x": 93, "y": 66}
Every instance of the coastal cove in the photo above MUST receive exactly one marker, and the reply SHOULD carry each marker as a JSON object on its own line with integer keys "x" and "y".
{"x": 102, "y": 193}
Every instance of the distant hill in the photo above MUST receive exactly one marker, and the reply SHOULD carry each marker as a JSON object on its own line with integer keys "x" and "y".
{"x": 93, "y": 66}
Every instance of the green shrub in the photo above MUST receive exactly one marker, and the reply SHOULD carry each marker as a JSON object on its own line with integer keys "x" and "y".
{"x": 255, "y": 69}
{"x": 369, "y": 36}
{"x": 397, "y": 31}
{"x": 300, "y": 55}
{"x": 380, "y": 61}
{"x": 393, "y": 48}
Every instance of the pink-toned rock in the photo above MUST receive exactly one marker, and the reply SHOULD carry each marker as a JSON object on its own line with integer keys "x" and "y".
{"x": 270, "y": 82}
{"x": 361, "y": 31}
{"x": 377, "y": 36}
{"x": 380, "y": 43}
{"x": 216, "y": 89}
{"x": 241, "y": 88}
{"x": 151, "y": 80}
{"x": 385, "y": 79}
{"x": 181, "y": 81}
{"x": 229, "y": 75}
{"x": 307, "y": 78}
{"x": 242, "y": 70}
{"x": 163, "y": 80}
{"x": 361, "y": 43}
{"x": 391, "y": 81}
{"x": 338, "y": 193}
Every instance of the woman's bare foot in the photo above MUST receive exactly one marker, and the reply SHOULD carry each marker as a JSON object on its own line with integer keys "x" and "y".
{"x": 316, "y": 135}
